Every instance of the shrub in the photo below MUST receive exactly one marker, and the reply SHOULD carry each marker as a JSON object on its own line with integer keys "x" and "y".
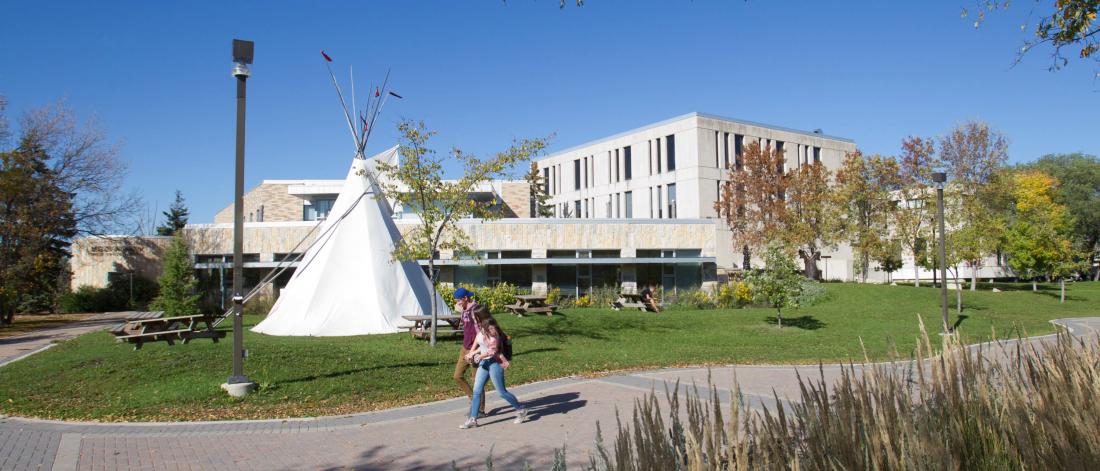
{"x": 554, "y": 296}
{"x": 177, "y": 282}
{"x": 496, "y": 297}
{"x": 260, "y": 304}
{"x": 691, "y": 299}
{"x": 583, "y": 301}
{"x": 1031, "y": 407}
{"x": 743, "y": 293}
{"x": 91, "y": 299}
{"x": 812, "y": 293}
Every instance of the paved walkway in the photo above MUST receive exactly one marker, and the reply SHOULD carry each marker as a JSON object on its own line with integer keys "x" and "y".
{"x": 564, "y": 412}
{"x": 20, "y": 346}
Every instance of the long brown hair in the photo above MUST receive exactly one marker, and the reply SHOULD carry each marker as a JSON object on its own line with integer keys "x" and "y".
{"x": 484, "y": 320}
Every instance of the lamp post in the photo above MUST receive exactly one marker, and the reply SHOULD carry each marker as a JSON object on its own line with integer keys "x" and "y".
{"x": 939, "y": 178}
{"x": 238, "y": 384}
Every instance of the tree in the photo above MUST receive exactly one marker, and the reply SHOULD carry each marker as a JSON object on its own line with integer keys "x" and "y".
{"x": 865, "y": 200}
{"x": 889, "y": 258}
{"x": 1079, "y": 191}
{"x": 36, "y": 225}
{"x": 540, "y": 208}
{"x": 417, "y": 183}
{"x": 86, "y": 166}
{"x": 751, "y": 201}
{"x": 974, "y": 156}
{"x": 177, "y": 282}
{"x": 1038, "y": 239}
{"x": 1071, "y": 24}
{"x": 175, "y": 218}
{"x": 778, "y": 284}
{"x": 910, "y": 217}
{"x": 813, "y": 219}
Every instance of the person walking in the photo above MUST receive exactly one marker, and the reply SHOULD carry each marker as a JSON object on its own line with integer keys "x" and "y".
{"x": 488, "y": 355}
{"x": 464, "y": 300}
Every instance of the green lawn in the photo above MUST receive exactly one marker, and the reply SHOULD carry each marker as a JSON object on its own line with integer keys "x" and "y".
{"x": 93, "y": 377}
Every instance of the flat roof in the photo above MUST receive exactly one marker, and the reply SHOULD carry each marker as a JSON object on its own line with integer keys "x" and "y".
{"x": 696, "y": 114}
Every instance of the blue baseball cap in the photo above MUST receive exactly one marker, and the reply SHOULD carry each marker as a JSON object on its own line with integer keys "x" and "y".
{"x": 463, "y": 293}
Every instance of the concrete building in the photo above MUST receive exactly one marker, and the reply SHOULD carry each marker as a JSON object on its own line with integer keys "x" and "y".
{"x": 636, "y": 207}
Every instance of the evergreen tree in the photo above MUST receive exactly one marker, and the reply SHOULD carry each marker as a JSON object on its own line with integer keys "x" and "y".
{"x": 36, "y": 226}
{"x": 177, "y": 282}
{"x": 175, "y": 218}
{"x": 540, "y": 208}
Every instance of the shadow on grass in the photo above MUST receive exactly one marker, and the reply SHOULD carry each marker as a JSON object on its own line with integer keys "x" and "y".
{"x": 536, "y": 350}
{"x": 803, "y": 322}
{"x": 338, "y": 374}
{"x": 959, "y": 321}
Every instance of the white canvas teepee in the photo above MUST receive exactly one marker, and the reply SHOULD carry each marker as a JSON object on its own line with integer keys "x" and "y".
{"x": 347, "y": 282}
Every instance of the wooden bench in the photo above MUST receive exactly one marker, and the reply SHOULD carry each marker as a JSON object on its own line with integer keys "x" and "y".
{"x": 531, "y": 304}
{"x": 422, "y": 329}
{"x": 151, "y": 327}
{"x": 631, "y": 301}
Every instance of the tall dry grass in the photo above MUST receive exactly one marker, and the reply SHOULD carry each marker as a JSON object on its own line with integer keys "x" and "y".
{"x": 1013, "y": 406}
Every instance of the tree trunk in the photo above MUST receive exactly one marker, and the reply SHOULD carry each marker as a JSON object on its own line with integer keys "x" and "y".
{"x": 916, "y": 270}
{"x": 809, "y": 265}
{"x": 1034, "y": 285}
{"x": 435, "y": 308}
{"x": 866, "y": 265}
{"x": 973, "y": 277}
{"x": 1063, "y": 297}
{"x": 958, "y": 294}
{"x": 779, "y": 318}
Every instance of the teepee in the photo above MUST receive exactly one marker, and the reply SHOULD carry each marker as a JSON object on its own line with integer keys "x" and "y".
{"x": 347, "y": 283}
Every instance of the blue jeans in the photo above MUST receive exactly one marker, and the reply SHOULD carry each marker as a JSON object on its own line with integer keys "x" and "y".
{"x": 487, "y": 369}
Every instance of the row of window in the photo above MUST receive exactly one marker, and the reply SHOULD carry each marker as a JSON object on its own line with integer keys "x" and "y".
{"x": 620, "y": 165}
{"x": 662, "y": 205}
{"x": 723, "y": 141}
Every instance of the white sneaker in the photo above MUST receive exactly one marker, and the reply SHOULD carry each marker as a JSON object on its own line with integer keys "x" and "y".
{"x": 469, "y": 423}
{"x": 521, "y": 415}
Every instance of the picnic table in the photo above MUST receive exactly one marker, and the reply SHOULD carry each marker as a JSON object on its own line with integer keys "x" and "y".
{"x": 422, "y": 326}
{"x": 144, "y": 327}
{"x": 630, "y": 300}
{"x": 531, "y": 304}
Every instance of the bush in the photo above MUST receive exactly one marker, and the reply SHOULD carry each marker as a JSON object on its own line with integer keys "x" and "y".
{"x": 583, "y": 301}
{"x": 1036, "y": 409}
{"x": 554, "y": 297}
{"x": 691, "y": 299}
{"x": 260, "y": 304}
{"x": 812, "y": 293}
{"x": 91, "y": 299}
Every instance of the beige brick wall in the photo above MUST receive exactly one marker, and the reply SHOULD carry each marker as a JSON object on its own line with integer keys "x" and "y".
{"x": 279, "y": 206}
{"x": 94, "y": 257}
{"x": 516, "y": 196}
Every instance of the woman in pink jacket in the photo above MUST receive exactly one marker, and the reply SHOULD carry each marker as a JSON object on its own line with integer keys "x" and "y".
{"x": 486, "y": 354}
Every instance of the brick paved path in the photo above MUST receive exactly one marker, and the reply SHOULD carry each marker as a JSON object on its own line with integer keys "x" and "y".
{"x": 564, "y": 412}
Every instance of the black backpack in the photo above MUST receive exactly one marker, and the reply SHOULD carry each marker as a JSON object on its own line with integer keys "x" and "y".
{"x": 505, "y": 344}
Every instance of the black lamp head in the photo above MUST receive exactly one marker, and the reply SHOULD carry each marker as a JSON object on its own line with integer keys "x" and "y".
{"x": 242, "y": 51}
{"x": 939, "y": 177}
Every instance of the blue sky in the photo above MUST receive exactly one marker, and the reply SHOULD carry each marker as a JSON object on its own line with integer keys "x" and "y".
{"x": 156, "y": 76}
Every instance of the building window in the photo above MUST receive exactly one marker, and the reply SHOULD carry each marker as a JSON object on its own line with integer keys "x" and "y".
{"x": 660, "y": 209}
{"x": 717, "y": 150}
{"x": 628, "y": 198}
{"x": 546, "y": 180}
{"x": 670, "y": 140}
{"x": 658, "y": 155}
{"x": 577, "y": 208}
{"x": 608, "y": 215}
{"x": 318, "y": 209}
{"x": 649, "y": 155}
{"x": 651, "y": 202}
{"x": 817, "y": 154}
{"x": 610, "y": 167}
{"x": 577, "y": 174}
{"x": 738, "y": 147}
{"x": 626, "y": 163}
{"x": 725, "y": 150}
{"x": 672, "y": 201}
{"x": 618, "y": 174}
{"x": 618, "y": 213}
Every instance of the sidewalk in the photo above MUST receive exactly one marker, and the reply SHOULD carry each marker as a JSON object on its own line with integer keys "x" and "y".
{"x": 563, "y": 412}
{"x": 17, "y": 347}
